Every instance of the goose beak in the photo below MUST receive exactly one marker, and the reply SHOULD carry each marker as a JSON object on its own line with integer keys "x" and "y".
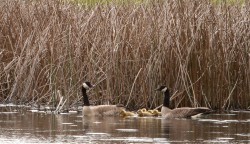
{"x": 92, "y": 86}
{"x": 157, "y": 89}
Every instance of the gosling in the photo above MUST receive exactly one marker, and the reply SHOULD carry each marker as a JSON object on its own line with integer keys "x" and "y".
{"x": 124, "y": 113}
{"x": 155, "y": 112}
{"x": 144, "y": 113}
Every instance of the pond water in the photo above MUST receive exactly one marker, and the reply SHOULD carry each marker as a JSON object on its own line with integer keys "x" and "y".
{"x": 17, "y": 125}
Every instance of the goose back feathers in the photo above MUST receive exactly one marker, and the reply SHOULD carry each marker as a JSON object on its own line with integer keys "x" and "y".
{"x": 102, "y": 110}
{"x": 184, "y": 112}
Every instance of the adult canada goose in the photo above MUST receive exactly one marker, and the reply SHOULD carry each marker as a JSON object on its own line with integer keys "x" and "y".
{"x": 184, "y": 112}
{"x": 107, "y": 110}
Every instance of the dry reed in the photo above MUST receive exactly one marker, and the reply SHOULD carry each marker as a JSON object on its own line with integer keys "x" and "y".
{"x": 197, "y": 48}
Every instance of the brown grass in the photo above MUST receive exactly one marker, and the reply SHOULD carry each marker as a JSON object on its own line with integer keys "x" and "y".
{"x": 200, "y": 50}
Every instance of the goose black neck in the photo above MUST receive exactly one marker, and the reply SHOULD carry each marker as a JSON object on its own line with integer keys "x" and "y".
{"x": 166, "y": 101}
{"x": 85, "y": 97}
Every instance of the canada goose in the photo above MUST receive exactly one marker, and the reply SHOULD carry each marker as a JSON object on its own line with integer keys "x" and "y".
{"x": 144, "y": 113}
{"x": 108, "y": 110}
{"x": 155, "y": 112}
{"x": 184, "y": 112}
{"x": 124, "y": 113}
{"x": 143, "y": 110}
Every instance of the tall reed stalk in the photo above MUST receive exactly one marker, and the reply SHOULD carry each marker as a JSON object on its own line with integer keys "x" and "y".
{"x": 199, "y": 49}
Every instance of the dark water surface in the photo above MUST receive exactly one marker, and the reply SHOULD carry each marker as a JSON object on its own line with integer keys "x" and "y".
{"x": 18, "y": 125}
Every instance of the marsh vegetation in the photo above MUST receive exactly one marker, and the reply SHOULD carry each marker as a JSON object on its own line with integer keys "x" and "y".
{"x": 197, "y": 48}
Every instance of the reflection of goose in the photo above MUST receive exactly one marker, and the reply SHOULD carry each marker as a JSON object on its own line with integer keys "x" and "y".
{"x": 97, "y": 126}
{"x": 124, "y": 113}
{"x": 99, "y": 109}
{"x": 184, "y": 112}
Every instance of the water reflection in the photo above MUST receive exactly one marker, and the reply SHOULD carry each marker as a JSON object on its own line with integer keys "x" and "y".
{"x": 18, "y": 125}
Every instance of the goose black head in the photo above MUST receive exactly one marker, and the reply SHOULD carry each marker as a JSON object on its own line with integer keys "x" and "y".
{"x": 87, "y": 85}
{"x": 162, "y": 88}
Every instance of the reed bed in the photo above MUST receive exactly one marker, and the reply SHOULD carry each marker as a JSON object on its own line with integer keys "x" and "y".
{"x": 199, "y": 49}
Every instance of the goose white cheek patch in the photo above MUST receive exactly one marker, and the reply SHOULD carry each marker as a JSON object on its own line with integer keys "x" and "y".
{"x": 165, "y": 89}
{"x": 85, "y": 86}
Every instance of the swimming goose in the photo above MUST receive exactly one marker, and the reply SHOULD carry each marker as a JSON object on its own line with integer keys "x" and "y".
{"x": 184, "y": 112}
{"x": 144, "y": 113}
{"x": 155, "y": 112}
{"x": 107, "y": 110}
{"x": 124, "y": 113}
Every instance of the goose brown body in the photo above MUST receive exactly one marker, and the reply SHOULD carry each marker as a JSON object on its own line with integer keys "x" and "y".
{"x": 102, "y": 110}
{"x": 184, "y": 112}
